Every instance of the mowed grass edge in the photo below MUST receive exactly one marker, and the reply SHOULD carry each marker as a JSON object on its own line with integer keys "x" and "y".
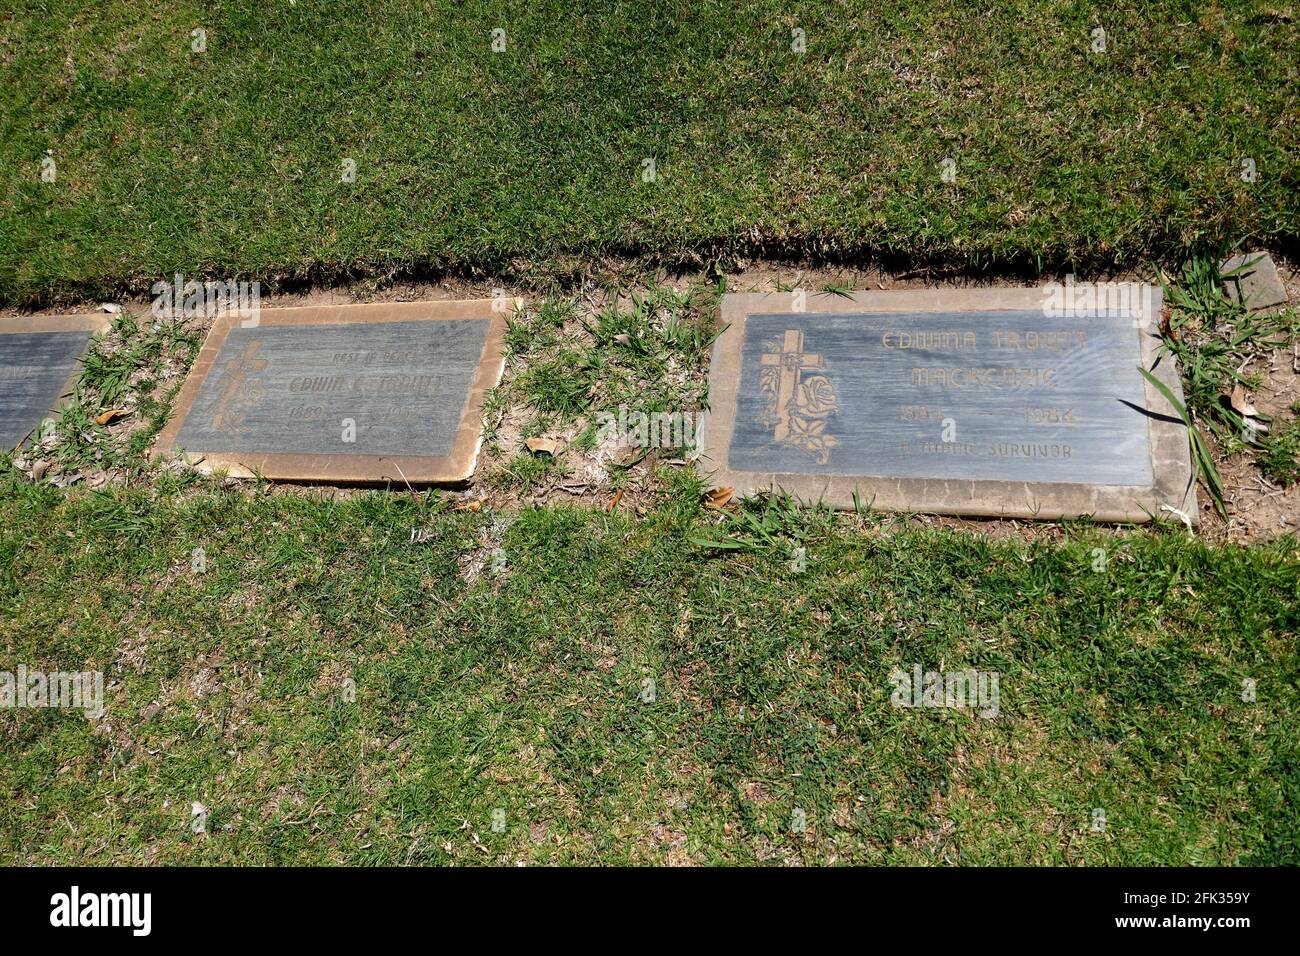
{"x": 597, "y": 128}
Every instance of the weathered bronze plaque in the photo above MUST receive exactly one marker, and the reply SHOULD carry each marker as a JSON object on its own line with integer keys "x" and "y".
{"x": 1015, "y": 402}
{"x": 348, "y": 393}
{"x": 40, "y": 359}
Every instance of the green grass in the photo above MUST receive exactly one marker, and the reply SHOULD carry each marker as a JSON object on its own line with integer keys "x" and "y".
{"x": 649, "y": 354}
{"x": 122, "y": 370}
{"x": 644, "y": 352}
{"x": 1280, "y": 458}
{"x": 1215, "y": 339}
{"x": 229, "y": 162}
{"x": 527, "y": 690}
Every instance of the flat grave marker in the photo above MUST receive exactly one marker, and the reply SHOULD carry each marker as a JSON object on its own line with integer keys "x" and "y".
{"x": 40, "y": 360}
{"x": 347, "y": 393}
{"x": 993, "y": 402}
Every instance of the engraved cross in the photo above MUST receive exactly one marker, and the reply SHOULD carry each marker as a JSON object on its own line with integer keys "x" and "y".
{"x": 793, "y": 361}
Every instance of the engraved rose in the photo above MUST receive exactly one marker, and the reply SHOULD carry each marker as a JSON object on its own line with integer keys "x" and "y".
{"x": 810, "y": 435}
{"x": 815, "y": 398}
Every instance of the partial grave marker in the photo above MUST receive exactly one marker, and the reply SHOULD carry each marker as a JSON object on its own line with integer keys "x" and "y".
{"x": 348, "y": 393}
{"x": 40, "y": 361}
{"x": 974, "y": 402}
{"x": 1258, "y": 286}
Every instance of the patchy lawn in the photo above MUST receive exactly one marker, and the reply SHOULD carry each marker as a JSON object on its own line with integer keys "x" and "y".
{"x": 329, "y": 692}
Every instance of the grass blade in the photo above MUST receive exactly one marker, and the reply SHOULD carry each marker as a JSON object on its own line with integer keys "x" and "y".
{"x": 1201, "y": 458}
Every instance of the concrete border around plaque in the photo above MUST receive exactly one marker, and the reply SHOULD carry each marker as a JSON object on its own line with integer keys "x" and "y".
{"x": 781, "y": 436}
{"x": 268, "y": 397}
{"x": 60, "y": 378}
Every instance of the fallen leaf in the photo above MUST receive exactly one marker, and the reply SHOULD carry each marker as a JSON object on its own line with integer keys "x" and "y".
{"x": 113, "y": 413}
{"x": 613, "y": 502}
{"x": 1239, "y": 403}
{"x": 543, "y": 446}
{"x": 623, "y": 338}
{"x": 717, "y": 497}
{"x": 474, "y": 505}
{"x": 111, "y": 307}
{"x": 1166, "y": 327}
